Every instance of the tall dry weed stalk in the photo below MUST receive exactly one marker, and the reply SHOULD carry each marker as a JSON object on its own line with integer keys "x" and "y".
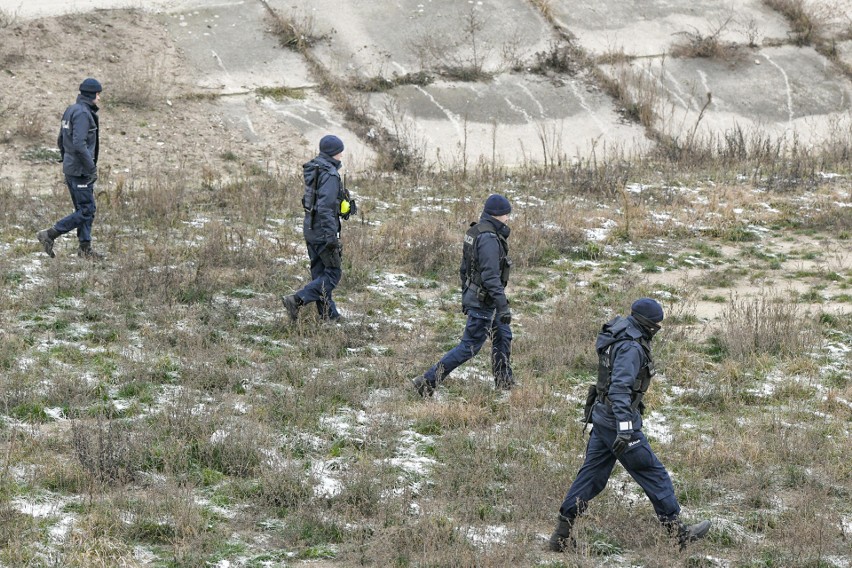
{"x": 767, "y": 325}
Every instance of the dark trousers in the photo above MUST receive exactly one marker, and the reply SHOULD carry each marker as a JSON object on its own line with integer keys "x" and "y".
{"x": 83, "y": 199}
{"x": 481, "y": 325}
{"x": 324, "y": 280}
{"x": 639, "y": 461}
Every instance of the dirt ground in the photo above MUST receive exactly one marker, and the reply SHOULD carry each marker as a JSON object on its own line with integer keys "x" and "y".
{"x": 152, "y": 120}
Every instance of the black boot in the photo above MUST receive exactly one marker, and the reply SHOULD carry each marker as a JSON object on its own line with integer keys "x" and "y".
{"x": 46, "y": 238}
{"x": 292, "y": 303}
{"x": 502, "y": 382}
{"x": 423, "y": 386}
{"x": 687, "y": 533}
{"x": 561, "y": 539}
{"x": 85, "y": 251}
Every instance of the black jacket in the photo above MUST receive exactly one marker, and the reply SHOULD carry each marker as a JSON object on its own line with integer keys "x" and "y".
{"x": 490, "y": 258}
{"x": 323, "y": 226}
{"x": 78, "y": 139}
{"x": 628, "y": 359}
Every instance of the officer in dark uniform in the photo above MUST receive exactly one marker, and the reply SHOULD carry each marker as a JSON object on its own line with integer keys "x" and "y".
{"x": 79, "y": 143}
{"x": 484, "y": 274}
{"x": 325, "y": 201}
{"x": 625, "y": 369}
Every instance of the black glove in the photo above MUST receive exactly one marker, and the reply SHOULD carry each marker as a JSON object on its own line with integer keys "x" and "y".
{"x": 620, "y": 444}
{"x": 331, "y": 246}
{"x": 353, "y": 208}
{"x": 505, "y": 316}
{"x": 92, "y": 178}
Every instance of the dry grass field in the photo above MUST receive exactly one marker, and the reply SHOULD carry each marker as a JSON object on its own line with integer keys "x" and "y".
{"x": 159, "y": 408}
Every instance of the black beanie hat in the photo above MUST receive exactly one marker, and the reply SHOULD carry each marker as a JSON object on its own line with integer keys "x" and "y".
{"x": 648, "y": 308}
{"x": 90, "y": 86}
{"x": 497, "y": 205}
{"x": 331, "y": 145}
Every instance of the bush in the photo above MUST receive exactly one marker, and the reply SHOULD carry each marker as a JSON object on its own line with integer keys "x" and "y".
{"x": 767, "y": 325}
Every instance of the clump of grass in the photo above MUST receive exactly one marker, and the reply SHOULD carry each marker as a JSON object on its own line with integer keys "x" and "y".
{"x": 200, "y": 96}
{"x": 143, "y": 87}
{"x": 296, "y": 31}
{"x": 280, "y": 93}
{"x": 710, "y": 46}
{"x": 806, "y": 28}
{"x": 7, "y": 18}
{"x": 40, "y": 154}
{"x": 558, "y": 58}
{"x": 31, "y": 125}
{"x": 106, "y": 450}
{"x": 460, "y": 54}
{"x": 634, "y": 89}
{"x": 768, "y": 325}
{"x": 379, "y": 84}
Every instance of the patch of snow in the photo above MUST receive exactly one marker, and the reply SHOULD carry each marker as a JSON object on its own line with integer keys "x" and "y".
{"x": 487, "y": 535}
{"x": 529, "y": 201}
{"x": 327, "y": 485}
{"x": 600, "y": 233}
{"x": 219, "y": 436}
{"x": 657, "y": 426}
{"x": 61, "y": 529}
{"x": 56, "y": 413}
{"x": 143, "y": 555}
{"x": 43, "y": 508}
{"x": 408, "y": 457}
{"x": 198, "y": 222}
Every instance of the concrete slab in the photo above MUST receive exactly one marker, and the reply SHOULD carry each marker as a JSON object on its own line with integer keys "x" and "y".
{"x": 844, "y": 52}
{"x": 229, "y": 51}
{"x": 313, "y": 118}
{"x": 227, "y": 46}
{"x": 536, "y": 120}
{"x": 649, "y": 27}
{"x": 834, "y": 16}
{"x": 380, "y": 37}
{"x": 31, "y": 9}
{"x": 454, "y": 122}
{"x": 778, "y": 90}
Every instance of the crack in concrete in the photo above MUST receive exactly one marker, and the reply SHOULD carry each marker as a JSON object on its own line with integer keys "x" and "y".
{"x": 789, "y": 91}
{"x": 587, "y": 108}
{"x": 449, "y": 114}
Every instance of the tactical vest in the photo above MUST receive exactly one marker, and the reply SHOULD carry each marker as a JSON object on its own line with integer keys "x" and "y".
{"x": 309, "y": 199}
{"x": 472, "y": 269}
{"x": 643, "y": 379}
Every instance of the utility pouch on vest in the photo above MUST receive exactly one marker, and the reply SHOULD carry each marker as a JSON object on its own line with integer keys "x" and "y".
{"x": 505, "y": 271}
{"x": 482, "y": 295}
{"x": 591, "y": 399}
{"x": 309, "y": 199}
{"x": 332, "y": 258}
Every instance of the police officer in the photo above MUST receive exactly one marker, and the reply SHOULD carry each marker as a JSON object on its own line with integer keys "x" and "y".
{"x": 79, "y": 145}
{"x": 325, "y": 201}
{"x": 484, "y": 275}
{"x": 625, "y": 368}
